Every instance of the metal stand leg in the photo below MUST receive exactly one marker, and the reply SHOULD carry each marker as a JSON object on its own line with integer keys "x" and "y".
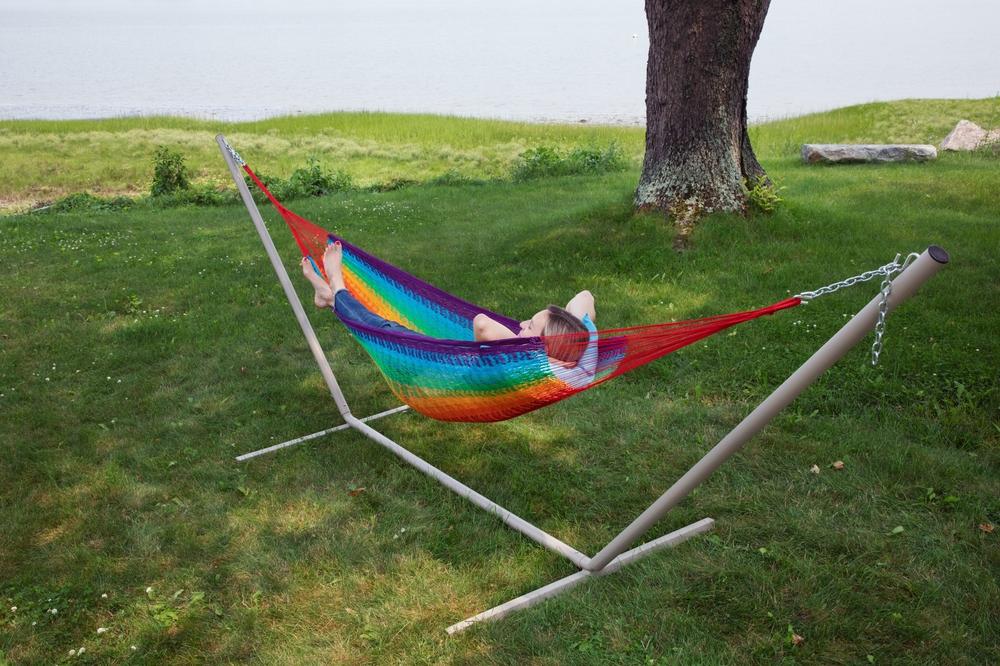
{"x": 316, "y": 435}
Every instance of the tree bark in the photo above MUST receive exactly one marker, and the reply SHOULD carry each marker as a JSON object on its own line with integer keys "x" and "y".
{"x": 698, "y": 153}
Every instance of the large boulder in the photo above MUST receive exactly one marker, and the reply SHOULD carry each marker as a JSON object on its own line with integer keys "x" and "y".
{"x": 969, "y": 136}
{"x": 851, "y": 153}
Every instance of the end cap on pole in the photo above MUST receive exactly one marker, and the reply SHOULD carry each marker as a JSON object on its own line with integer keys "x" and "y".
{"x": 938, "y": 254}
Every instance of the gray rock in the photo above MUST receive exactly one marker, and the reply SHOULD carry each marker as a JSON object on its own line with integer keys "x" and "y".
{"x": 848, "y": 153}
{"x": 969, "y": 136}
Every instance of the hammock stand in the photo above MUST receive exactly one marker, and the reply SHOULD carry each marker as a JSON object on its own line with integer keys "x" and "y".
{"x": 618, "y": 552}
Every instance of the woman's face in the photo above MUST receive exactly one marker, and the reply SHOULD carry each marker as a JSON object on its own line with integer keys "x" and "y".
{"x": 533, "y": 327}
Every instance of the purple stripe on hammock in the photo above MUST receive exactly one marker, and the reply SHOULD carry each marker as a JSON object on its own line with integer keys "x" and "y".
{"x": 425, "y": 289}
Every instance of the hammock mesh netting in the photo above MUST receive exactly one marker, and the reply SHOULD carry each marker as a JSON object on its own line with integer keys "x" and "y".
{"x": 440, "y": 370}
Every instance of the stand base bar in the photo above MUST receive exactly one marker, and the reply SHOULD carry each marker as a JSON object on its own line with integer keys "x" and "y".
{"x": 315, "y": 435}
{"x": 569, "y": 582}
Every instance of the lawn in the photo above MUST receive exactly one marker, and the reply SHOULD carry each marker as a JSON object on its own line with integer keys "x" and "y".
{"x": 141, "y": 350}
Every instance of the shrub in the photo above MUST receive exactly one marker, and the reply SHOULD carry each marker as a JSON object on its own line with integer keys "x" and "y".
{"x": 315, "y": 181}
{"x": 309, "y": 181}
{"x": 545, "y": 161}
{"x": 537, "y": 163}
{"x": 594, "y": 160}
{"x": 763, "y": 195}
{"x": 169, "y": 172}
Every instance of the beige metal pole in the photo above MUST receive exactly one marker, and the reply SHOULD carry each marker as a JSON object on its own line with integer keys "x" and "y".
{"x": 286, "y": 283}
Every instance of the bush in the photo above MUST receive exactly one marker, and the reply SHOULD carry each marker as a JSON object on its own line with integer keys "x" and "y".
{"x": 310, "y": 181}
{"x": 545, "y": 161}
{"x": 594, "y": 160}
{"x": 315, "y": 181}
{"x": 169, "y": 172}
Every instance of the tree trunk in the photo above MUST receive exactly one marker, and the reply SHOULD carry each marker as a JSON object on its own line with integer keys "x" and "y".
{"x": 697, "y": 149}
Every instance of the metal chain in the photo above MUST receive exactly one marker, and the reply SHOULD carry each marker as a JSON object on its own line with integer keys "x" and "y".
{"x": 236, "y": 155}
{"x": 883, "y": 307}
{"x": 892, "y": 267}
{"x": 886, "y": 272}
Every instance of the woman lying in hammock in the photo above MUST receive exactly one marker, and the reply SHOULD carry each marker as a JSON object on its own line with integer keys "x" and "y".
{"x": 571, "y": 360}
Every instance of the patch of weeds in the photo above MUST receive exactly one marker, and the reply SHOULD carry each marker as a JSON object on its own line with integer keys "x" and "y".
{"x": 87, "y": 202}
{"x": 453, "y": 177}
{"x": 685, "y": 213}
{"x": 392, "y": 185}
{"x": 169, "y": 172}
{"x": 545, "y": 161}
{"x": 133, "y": 304}
{"x": 199, "y": 195}
{"x": 763, "y": 195}
{"x": 592, "y": 644}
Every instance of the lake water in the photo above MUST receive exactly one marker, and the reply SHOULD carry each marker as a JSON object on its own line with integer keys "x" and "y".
{"x": 537, "y": 60}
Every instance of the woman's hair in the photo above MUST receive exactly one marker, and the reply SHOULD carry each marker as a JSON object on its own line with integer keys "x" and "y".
{"x": 563, "y": 345}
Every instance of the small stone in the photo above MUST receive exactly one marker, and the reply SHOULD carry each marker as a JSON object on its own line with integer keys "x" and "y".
{"x": 102, "y": 630}
{"x": 853, "y": 153}
{"x": 969, "y": 136}
{"x": 839, "y": 465}
{"x": 814, "y": 469}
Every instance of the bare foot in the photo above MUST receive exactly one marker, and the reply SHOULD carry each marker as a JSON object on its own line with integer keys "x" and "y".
{"x": 323, "y": 298}
{"x": 332, "y": 261}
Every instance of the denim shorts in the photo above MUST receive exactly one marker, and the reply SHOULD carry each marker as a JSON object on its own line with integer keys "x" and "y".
{"x": 348, "y": 307}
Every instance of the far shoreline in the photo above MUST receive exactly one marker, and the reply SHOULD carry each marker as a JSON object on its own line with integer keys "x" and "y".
{"x": 229, "y": 116}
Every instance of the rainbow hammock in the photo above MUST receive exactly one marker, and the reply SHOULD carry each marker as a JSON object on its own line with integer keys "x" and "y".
{"x": 441, "y": 371}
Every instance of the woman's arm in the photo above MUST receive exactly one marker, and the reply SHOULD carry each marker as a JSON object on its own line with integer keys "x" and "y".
{"x": 582, "y": 304}
{"x": 486, "y": 329}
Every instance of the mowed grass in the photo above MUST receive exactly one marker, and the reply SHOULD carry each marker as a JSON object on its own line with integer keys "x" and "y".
{"x": 140, "y": 351}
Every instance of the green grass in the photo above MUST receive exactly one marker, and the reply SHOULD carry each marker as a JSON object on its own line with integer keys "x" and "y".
{"x": 140, "y": 351}
{"x": 43, "y": 160}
